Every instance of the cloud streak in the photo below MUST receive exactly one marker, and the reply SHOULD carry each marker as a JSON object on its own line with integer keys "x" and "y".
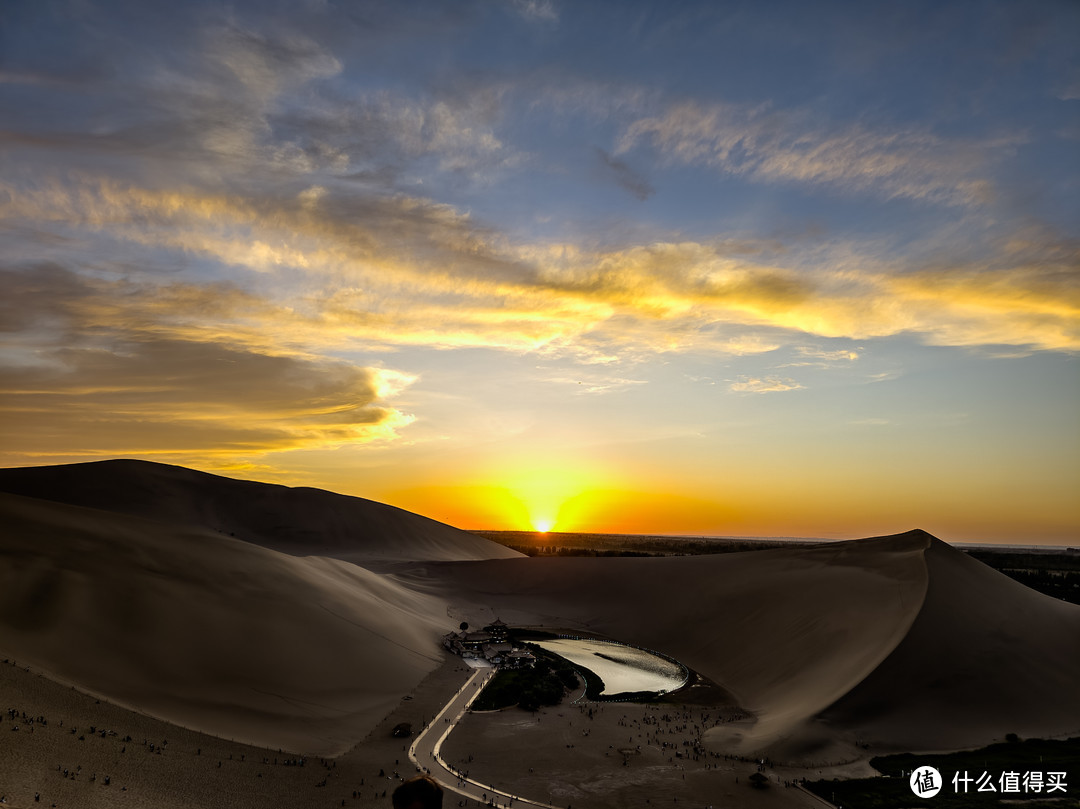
{"x": 770, "y": 145}
{"x": 770, "y": 384}
{"x": 626, "y": 177}
{"x": 537, "y": 10}
{"x": 107, "y": 378}
{"x": 345, "y": 263}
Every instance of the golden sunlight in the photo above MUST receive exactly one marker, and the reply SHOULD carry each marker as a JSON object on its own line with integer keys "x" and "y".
{"x": 543, "y": 488}
{"x": 467, "y": 506}
{"x": 638, "y": 512}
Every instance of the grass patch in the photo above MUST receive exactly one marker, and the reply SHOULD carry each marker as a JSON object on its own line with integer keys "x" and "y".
{"x": 544, "y": 685}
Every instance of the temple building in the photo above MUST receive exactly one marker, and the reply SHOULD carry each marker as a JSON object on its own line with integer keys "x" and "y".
{"x": 491, "y": 644}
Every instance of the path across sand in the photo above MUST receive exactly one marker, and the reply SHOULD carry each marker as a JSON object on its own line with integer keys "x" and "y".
{"x": 424, "y": 752}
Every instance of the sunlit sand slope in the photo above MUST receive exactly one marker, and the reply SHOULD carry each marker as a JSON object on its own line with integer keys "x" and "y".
{"x": 294, "y": 520}
{"x": 301, "y": 653}
{"x": 986, "y": 656}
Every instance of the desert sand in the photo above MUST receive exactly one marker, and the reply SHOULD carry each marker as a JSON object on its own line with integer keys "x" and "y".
{"x": 200, "y": 609}
{"x": 152, "y": 764}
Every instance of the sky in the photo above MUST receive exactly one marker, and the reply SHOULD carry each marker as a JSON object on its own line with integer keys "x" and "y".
{"x": 738, "y": 268}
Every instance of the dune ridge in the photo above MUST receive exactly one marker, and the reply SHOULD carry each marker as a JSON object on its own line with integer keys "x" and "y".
{"x": 984, "y": 657}
{"x": 299, "y": 521}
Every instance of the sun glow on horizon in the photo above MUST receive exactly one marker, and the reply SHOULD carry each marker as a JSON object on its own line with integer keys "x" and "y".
{"x": 543, "y": 487}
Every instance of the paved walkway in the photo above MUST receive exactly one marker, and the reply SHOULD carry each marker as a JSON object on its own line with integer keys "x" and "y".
{"x": 424, "y": 752}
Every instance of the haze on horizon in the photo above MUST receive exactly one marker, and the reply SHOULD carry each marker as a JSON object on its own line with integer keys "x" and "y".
{"x": 730, "y": 269}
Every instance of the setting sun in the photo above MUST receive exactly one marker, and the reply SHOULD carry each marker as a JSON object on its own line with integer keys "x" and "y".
{"x": 545, "y": 486}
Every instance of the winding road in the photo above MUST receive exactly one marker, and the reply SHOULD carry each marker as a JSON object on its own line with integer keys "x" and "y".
{"x": 424, "y": 752}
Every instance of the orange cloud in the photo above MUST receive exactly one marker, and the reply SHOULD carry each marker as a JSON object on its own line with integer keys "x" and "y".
{"x": 108, "y": 386}
{"x": 389, "y": 271}
{"x": 771, "y": 384}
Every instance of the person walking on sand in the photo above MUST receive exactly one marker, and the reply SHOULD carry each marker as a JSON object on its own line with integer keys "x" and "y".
{"x": 422, "y": 792}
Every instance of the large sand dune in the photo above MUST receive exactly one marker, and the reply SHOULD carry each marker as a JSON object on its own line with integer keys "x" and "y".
{"x": 985, "y": 656}
{"x": 302, "y": 653}
{"x": 300, "y": 521}
{"x": 897, "y": 640}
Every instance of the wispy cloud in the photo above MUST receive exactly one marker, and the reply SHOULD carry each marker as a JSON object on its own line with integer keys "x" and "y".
{"x": 838, "y": 355}
{"x": 812, "y": 357}
{"x": 368, "y": 132}
{"x": 260, "y": 102}
{"x": 771, "y": 145}
{"x": 625, "y": 176}
{"x": 592, "y": 384}
{"x": 1070, "y": 86}
{"x": 769, "y": 384}
{"x": 542, "y": 10}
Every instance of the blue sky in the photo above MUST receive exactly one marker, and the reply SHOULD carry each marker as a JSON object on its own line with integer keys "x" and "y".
{"x": 736, "y": 268}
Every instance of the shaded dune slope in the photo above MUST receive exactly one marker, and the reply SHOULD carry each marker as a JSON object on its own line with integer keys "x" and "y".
{"x": 206, "y": 631}
{"x": 299, "y": 521}
{"x": 984, "y": 657}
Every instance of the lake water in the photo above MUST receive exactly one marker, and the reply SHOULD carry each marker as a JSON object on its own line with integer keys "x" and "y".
{"x": 622, "y": 668}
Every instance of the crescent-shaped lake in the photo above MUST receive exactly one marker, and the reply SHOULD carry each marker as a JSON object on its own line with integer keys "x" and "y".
{"x": 624, "y": 669}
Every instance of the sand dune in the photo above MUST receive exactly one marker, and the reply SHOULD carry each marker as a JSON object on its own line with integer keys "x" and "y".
{"x": 299, "y": 521}
{"x": 209, "y": 632}
{"x": 899, "y": 640}
{"x": 984, "y": 657}
{"x": 786, "y": 632}
{"x": 900, "y": 637}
